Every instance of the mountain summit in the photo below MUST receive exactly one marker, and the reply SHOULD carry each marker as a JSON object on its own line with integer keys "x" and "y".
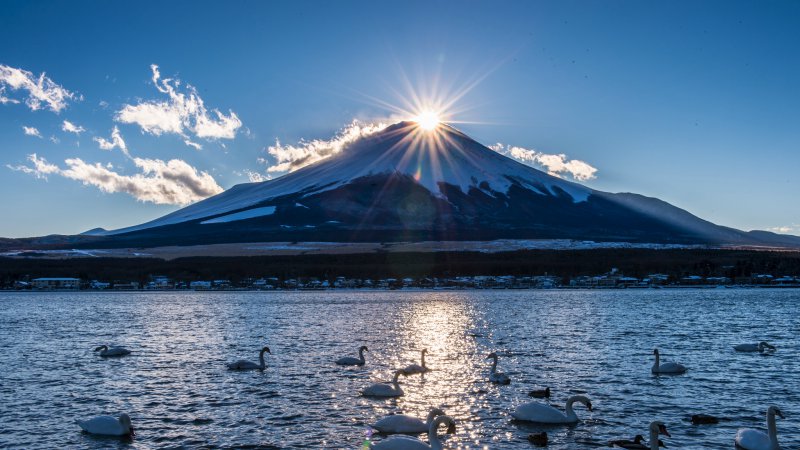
{"x": 406, "y": 183}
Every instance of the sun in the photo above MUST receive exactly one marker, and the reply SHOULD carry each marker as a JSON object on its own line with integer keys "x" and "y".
{"x": 427, "y": 120}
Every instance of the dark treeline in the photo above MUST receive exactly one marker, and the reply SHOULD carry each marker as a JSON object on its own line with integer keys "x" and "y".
{"x": 632, "y": 262}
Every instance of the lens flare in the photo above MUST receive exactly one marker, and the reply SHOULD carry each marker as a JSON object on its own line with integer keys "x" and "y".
{"x": 428, "y": 120}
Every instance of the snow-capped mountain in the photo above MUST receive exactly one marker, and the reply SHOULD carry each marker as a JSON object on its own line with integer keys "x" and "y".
{"x": 404, "y": 183}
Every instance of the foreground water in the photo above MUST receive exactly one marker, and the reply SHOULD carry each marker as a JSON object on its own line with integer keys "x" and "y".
{"x": 599, "y": 343}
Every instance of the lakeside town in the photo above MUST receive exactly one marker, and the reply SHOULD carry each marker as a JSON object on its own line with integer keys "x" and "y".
{"x": 613, "y": 279}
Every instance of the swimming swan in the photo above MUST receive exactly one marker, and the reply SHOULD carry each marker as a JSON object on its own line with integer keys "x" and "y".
{"x": 542, "y": 413}
{"x": 656, "y": 428}
{"x": 760, "y": 347}
{"x": 495, "y": 376}
{"x": 108, "y": 426}
{"x": 106, "y": 351}
{"x": 416, "y": 368}
{"x": 249, "y": 365}
{"x": 400, "y": 442}
{"x": 670, "y": 367}
{"x": 758, "y": 440}
{"x": 385, "y": 389}
{"x": 350, "y": 361}
{"x": 405, "y": 424}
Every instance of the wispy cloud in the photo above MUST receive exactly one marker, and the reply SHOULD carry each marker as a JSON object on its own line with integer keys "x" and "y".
{"x": 41, "y": 91}
{"x": 70, "y": 127}
{"x": 256, "y": 177}
{"x": 292, "y": 157}
{"x": 183, "y": 113}
{"x": 31, "y": 131}
{"x": 115, "y": 142}
{"x": 554, "y": 164}
{"x": 40, "y": 169}
{"x": 786, "y": 229}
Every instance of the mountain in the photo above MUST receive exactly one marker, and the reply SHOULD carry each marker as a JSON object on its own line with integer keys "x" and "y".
{"x": 404, "y": 184}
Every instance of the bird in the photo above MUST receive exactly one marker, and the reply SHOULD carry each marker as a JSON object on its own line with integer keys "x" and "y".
{"x": 495, "y": 376}
{"x": 704, "y": 419}
{"x": 669, "y": 367}
{"x": 385, "y": 389}
{"x": 542, "y": 413}
{"x": 540, "y": 393}
{"x": 401, "y": 442}
{"x": 656, "y": 428}
{"x": 412, "y": 369}
{"x": 350, "y": 361}
{"x": 405, "y": 424}
{"x": 108, "y": 425}
{"x": 106, "y": 351}
{"x": 750, "y": 348}
{"x": 249, "y": 365}
{"x": 538, "y": 439}
{"x": 749, "y": 439}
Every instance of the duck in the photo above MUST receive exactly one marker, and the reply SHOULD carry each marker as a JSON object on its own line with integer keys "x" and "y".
{"x": 538, "y": 439}
{"x": 625, "y": 443}
{"x": 350, "y": 361}
{"x": 750, "y": 348}
{"x": 495, "y": 376}
{"x": 667, "y": 368}
{"x": 656, "y": 428}
{"x": 108, "y": 425}
{"x": 385, "y": 389}
{"x": 405, "y": 424}
{"x": 704, "y": 419}
{"x": 412, "y": 369}
{"x": 401, "y": 442}
{"x": 106, "y": 351}
{"x": 749, "y": 439}
{"x": 243, "y": 364}
{"x": 542, "y": 413}
{"x": 540, "y": 393}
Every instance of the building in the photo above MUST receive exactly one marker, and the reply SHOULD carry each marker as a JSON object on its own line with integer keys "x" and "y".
{"x": 56, "y": 283}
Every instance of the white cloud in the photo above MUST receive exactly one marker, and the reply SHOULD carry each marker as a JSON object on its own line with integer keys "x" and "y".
{"x": 69, "y": 127}
{"x": 184, "y": 113}
{"x": 292, "y": 157}
{"x": 115, "y": 142}
{"x": 786, "y": 229}
{"x": 554, "y": 164}
{"x": 41, "y": 91}
{"x": 256, "y": 177}
{"x": 31, "y": 131}
{"x": 40, "y": 169}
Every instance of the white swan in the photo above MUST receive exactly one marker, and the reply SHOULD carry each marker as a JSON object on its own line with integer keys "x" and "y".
{"x": 412, "y": 369}
{"x": 670, "y": 367}
{"x": 758, "y": 440}
{"x": 760, "y": 347}
{"x": 108, "y": 426}
{"x": 385, "y": 389}
{"x": 656, "y": 428}
{"x": 542, "y": 413}
{"x": 400, "y": 442}
{"x": 350, "y": 361}
{"x": 405, "y": 424}
{"x": 495, "y": 376}
{"x": 107, "y": 351}
{"x": 243, "y": 364}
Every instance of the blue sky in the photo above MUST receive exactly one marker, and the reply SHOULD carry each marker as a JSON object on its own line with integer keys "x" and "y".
{"x": 695, "y": 103}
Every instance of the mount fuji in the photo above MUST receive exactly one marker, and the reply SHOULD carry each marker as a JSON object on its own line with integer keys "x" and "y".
{"x": 405, "y": 183}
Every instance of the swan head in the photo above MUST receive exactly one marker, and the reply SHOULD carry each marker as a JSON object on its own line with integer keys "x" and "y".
{"x": 660, "y": 427}
{"x": 125, "y": 421}
{"x": 492, "y": 355}
{"x": 773, "y": 410}
{"x": 436, "y": 412}
{"x": 655, "y": 352}
{"x": 363, "y": 348}
{"x": 424, "y": 350}
{"x": 451, "y": 424}
{"x": 102, "y": 347}
{"x": 266, "y": 349}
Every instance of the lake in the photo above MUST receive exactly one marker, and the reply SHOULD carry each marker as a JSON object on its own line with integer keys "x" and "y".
{"x": 178, "y": 392}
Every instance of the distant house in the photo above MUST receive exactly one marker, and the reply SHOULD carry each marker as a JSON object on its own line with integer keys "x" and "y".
{"x": 56, "y": 283}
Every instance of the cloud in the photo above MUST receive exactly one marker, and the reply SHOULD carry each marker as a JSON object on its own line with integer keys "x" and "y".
{"x": 292, "y": 157}
{"x": 183, "y": 114}
{"x": 31, "y": 131}
{"x": 173, "y": 182}
{"x": 256, "y": 177}
{"x": 786, "y": 229}
{"x": 554, "y": 164}
{"x": 42, "y": 92}
{"x": 69, "y": 127}
{"x": 115, "y": 142}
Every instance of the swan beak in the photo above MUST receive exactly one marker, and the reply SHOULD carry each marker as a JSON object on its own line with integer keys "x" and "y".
{"x": 780, "y": 414}
{"x": 663, "y": 430}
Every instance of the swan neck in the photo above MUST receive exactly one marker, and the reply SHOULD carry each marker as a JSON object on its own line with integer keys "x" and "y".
{"x": 261, "y": 359}
{"x": 570, "y": 410}
{"x": 361, "y": 355}
{"x": 494, "y": 364}
{"x": 396, "y": 379}
{"x": 423, "y": 359}
{"x": 657, "y": 364}
{"x": 772, "y": 429}
{"x": 654, "y": 437}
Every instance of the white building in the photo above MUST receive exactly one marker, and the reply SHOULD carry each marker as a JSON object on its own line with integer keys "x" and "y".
{"x": 56, "y": 283}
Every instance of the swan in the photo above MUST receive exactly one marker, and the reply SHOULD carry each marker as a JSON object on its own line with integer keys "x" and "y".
{"x": 108, "y": 426}
{"x": 637, "y": 443}
{"x": 249, "y": 365}
{"x": 416, "y": 368}
{"x": 385, "y": 389}
{"x": 350, "y": 361}
{"x": 107, "y": 351}
{"x": 400, "y": 442}
{"x": 758, "y": 440}
{"x": 541, "y": 413}
{"x": 670, "y": 367}
{"x": 405, "y": 424}
{"x": 760, "y": 347}
{"x": 495, "y": 376}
